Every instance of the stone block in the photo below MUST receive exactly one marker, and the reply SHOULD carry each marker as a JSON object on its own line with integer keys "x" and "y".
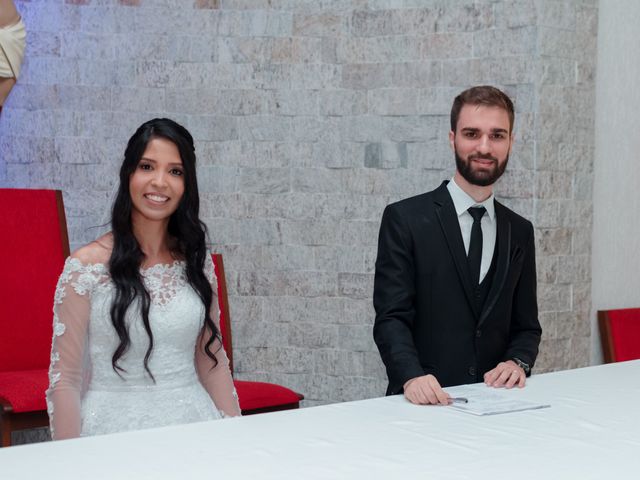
{"x": 265, "y": 127}
{"x": 416, "y": 74}
{"x": 50, "y": 71}
{"x": 255, "y": 231}
{"x": 554, "y": 297}
{"x": 318, "y": 180}
{"x": 446, "y": 45}
{"x": 110, "y": 20}
{"x": 277, "y": 359}
{"x": 513, "y": 41}
{"x": 394, "y": 101}
{"x": 287, "y": 257}
{"x": 214, "y": 127}
{"x": 371, "y": 23}
{"x": 547, "y": 213}
{"x": 434, "y": 154}
{"x": 548, "y": 322}
{"x": 294, "y": 102}
{"x": 122, "y": 99}
{"x": 553, "y": 241}
{"x": 546, "y": 268}
{"x": 516, "y": 69}
{"x": 522, "y": 206}
{"x": 576, "y": 214}
{"x": 387, "y": 49}
{"x": 553, "y": 185}
{"x": 555, "y": 42}
{"x": 355, "y": 285}
{"x": 43, "y": 44}
{"x": 581, "y": 291}
{"x": 337, "y": 258}
{"x": 561, "y": 15}
{"x": 319, "y": 24}
{"x": 315, "y": 76}
{"x": 311, "y": 232}
{"x": 218, "y": 102}
{"x": 222, "y": 205}
{"x": 303, "y": 310}
{"x": 22, "y": 149}
{"x": 367, "y": 76}
{"x": 222, "y": 231}
{"x": 49, "y": 17}
{"x": 264, "y": 180}
{"x": 515, "y": 184}
{"x": 464, "y": 17}
{"x": 574, "y": 269}
{"x": 356, "y": 338}
{"x": 76, "y": 150}
{"x": 342, "y": 102}
{"x": 216, "y": 179}
{"x": 581, "y": 241}
{"x": 314, "y": 129}
{"x": 88, "y": 46}
{"x": 516, "y": 13}
{"x": 311, "y": 335}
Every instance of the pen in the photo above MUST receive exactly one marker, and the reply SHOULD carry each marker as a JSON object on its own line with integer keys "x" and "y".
{"x": 459, "y": 400}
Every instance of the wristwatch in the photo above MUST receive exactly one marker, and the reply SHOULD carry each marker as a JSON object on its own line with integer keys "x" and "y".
{"x": 522, "y": 365}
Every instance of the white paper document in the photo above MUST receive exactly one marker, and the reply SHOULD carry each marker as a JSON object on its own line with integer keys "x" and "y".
{"x": 484, "y": 400}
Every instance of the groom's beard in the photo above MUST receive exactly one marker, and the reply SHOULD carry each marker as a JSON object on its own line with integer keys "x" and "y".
{"x": 480, "y": 176}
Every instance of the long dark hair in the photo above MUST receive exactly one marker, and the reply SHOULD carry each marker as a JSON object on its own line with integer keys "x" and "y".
{"x": 185, "y": 227}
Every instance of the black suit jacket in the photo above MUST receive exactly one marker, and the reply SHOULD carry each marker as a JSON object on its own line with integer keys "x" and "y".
{"x": 426, "y": 318}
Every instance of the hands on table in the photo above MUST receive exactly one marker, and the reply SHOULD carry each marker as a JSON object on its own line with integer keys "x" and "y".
{"x": 426, "y": 390}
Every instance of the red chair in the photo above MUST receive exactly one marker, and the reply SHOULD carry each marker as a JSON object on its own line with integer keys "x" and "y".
{"x": 34, "y": 247}
{"x": 620, "y": 334}
{"x": 255, "y": 397}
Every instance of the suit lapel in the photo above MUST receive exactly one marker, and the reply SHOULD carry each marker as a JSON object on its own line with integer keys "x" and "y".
{"x": 503, "y": 235}
{"x": 450, "y": 225}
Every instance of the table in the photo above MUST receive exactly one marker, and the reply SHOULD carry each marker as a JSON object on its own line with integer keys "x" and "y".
{"x": 591, "y": 431}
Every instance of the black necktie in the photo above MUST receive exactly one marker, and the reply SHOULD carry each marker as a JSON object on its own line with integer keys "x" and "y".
{"x": 474, "y": 257}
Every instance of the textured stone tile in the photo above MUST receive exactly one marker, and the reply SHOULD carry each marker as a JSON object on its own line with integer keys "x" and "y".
{"x": 342, "y": 102}
{"x": 319, "y": 24}
{"x": 553, "y": 185}
{"x": 546, "y": 268}
{"x": 514, "y": 41}
{"x": 366, "y": 76}
{"x": 556, "y": 42}
{"x": 553, "y": 241}
{"x": 554, "y": 297}
{"x": 389, "y": 49}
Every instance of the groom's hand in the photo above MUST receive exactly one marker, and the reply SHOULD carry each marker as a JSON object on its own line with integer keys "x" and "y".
{"x": 425, "y": 390}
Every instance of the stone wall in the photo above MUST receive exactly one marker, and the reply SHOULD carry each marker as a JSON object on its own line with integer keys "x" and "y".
{"x": 310, "y": 116}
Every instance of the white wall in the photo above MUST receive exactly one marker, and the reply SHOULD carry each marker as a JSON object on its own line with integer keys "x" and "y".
{"x": 616, "y": 196}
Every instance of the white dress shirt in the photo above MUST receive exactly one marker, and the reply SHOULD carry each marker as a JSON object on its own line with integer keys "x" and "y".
{"x": 462, "y": 201}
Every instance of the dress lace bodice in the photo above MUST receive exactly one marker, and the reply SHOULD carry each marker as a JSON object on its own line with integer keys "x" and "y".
{"x": 86, "y": 396}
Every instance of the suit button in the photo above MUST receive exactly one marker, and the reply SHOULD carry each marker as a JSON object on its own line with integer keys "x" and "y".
{"x": 478, "y": 333}
{"x": 472, "y": 371}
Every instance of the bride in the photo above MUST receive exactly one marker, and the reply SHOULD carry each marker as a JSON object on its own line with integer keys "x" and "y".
{"x": 135, "y": 337}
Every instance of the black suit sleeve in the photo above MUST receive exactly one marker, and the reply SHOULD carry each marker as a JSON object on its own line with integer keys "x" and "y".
{"x": 525, "y": 330}
{"x": 393, "y": 299}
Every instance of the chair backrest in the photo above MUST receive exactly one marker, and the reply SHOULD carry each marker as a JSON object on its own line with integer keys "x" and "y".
{"x": 33, "y": 247}
{"x": 223, "y": 303}
{"x": 620, "y": 334}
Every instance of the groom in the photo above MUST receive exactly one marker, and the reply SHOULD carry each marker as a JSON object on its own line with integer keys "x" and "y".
{"x": 455, "y": 281}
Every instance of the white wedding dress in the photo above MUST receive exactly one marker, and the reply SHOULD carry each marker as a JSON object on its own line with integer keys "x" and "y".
{"x": 87, "y": 397}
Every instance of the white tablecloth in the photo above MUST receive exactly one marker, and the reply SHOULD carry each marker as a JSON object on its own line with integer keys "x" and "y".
{"x": 591, "y": 431}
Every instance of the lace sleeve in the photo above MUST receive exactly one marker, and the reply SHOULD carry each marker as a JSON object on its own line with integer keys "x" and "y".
{"x": 67, "y": 369}
{"x": 216, "y": 379}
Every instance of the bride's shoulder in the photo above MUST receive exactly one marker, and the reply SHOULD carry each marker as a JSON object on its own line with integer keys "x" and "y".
{"x": 96, "y": 252}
